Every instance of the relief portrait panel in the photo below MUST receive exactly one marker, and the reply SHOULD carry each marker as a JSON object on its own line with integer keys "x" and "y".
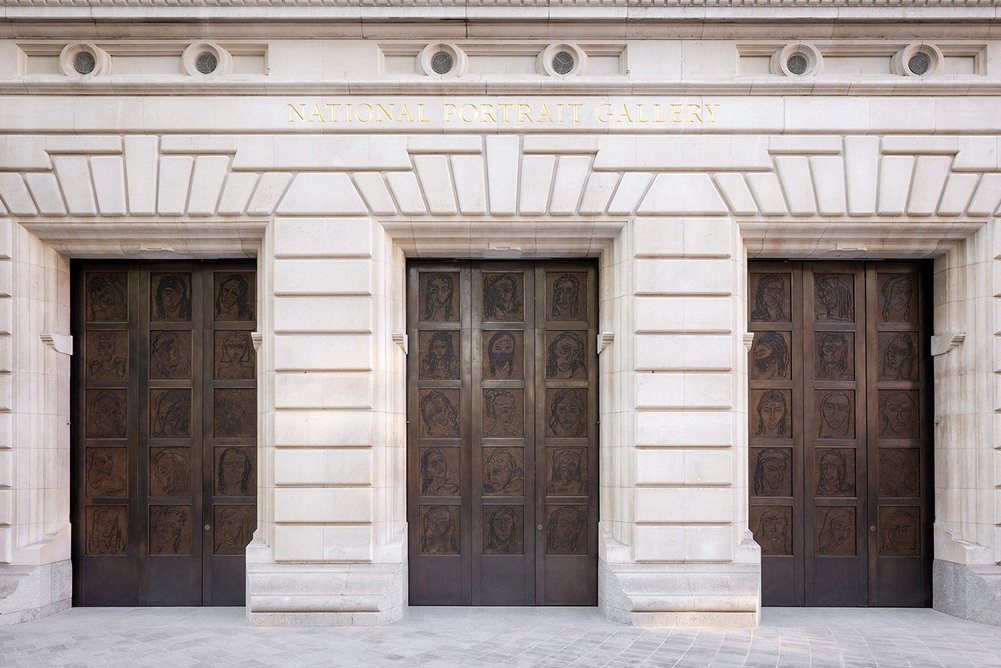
{"x": 770, "y": 297}
{"x": 438, "y": 530}
{"x": 234, "y": 357}
{"x": 503, "y": 471}
{"x": 107, "y": 296}
{"x": 899, "y": 531}
{"x": 566, "y": 413}
{"x": 834, "y": 298}
{"x": 235, "y": 413}
{"x": 170, "y": 413}
{"x": 834, "y": 413}
{"x": 106, "y": 529}
{"x": 835, "y": 473}
{"x": 898, "y": 355}
{"x": 566, "y": 358}
{"x": 438, "y": 355}
{"x": 566, "y": 529}
{"x": 107, "y": 413}
{"x": 503, "y": 296}
{"x": 235, "y": 296}
{"x": 107, "y": 355}
{"x": 503, "y": 355}
{"x": 897, "y": 296}
{"x": 169, "y": 354}
{"x": 834, "y": 357}
{"x": 235, "y": 470}
{"x": 439, "y": 471}
{"x": 898, "y": 413}
{"x": 772, "y": 528}
{"x": 438, "y": 413}
{"x": 835, "y": 527}
{"x": 234, "y": 528}
{"x": 170, "y": 472}
{"x": 769, "y": 356}
{"x": 566, "y": 471}
{"x": 771, "y": 413}
{"x": 438, "y": 296}
{"x": 771, "y": 471}
{"x": 503, "y": 413}
{"x": 503, "y": 530}
{"x": 170, "y": 530}
{"x": 107, "y": 472}
{"x": 899, "y": 472}
{"x": 170, "y": 297}
{"x": 566, "y": 296}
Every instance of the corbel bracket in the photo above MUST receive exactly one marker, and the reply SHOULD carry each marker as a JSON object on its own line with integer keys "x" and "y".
{"x": 748, "y": 340}
{"x": 255, "y": 340}
{"x": 604, "y": 340}
{"x": 61, "y": 343}
{"x": 401, "y": 339}
{"x": 943, "y": 343}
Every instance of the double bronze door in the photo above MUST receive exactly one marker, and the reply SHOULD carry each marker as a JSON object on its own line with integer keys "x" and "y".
{"x": 164, "y": 427}
{"x": 502, "y": 433}
{"x": 840, "y": 433}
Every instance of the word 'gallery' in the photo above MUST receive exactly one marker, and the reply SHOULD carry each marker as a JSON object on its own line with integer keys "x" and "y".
{"x": 328, "y": 324}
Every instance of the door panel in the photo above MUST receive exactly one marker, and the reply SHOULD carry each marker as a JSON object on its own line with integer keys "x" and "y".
{"x": 146, "y": 415}
{"x": 500, "y": 507}
{"x": 840, "y": 469}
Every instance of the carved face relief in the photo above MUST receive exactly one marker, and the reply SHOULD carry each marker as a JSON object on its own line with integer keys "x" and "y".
{"x": 107, "y": 472}
{"x": 565, "y": 357}
{"x": 503, "y": 471}
{"x": 836, "y": 535}
{"x": 235, "y": 358}
{"x": 899, "y": 531}
{"x": 439, "y": 413}
{"x": 171, "y": 294}
{"x": 234, "y": 528}
{"x": 170, "y": 530}
{"x": 170, "y": 413}
{"x": 170, "y": 354}
{"x": 439, "y": 470}
{"x": 567, "y": 413}
{"x": 107, "y": 355}
{"x": 566, "y": 529}
{"x": 502, "y": 297}
{"x": 566, "y": 296}
{"x": 503, "y": 530}
{"x": 107, "y": 413}
{"x": 771, "y": 298}
{"x": 438, "y": 527}
{"x": 106, "y": 529}
{"x": 503, "y": 356}
{"x": 770, "y": 356}
{"x": 170, "y": 472}
{"x": 771, "y": 418}
{"x": 566, "y": 471}
{"x": 107, "y": 296}
{"x": 898, "y": 297}
{"x": 235, "y": 471}
{"x": 234, "y": 296}
{"x": 898, "y": 414}
{"x": 834, "y": 299}
{"x": 772, "y": 476}
{"x": 235, "y": 413}
{"x": 772, "y": 527}
{"x": 437, "y": 296}
{"x": 503, "y": 413}
{"x": 835, "y": 414}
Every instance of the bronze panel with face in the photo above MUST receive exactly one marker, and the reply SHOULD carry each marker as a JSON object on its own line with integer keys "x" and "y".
{"x": 503, "y": 471}
{"x": 169, "y": 354}
{"x": 438, "y": 413}
{"x": 771, "y": 415}
{"x": 107, "y": 355}
{"x": 771, "y": 471}
{"x": 566, "y": 413}
{"x": 770, "y": 297}
{"x": 234, "y": 296}
{"x": 566, "y": 357}
{"x": 898, "y": 413}
{"x": 834, "y": 413}
{"x": 835, "y": 528}
{"x": 835, "y": 356}
{"x": 106, "y": 530}
{"x": 439, "y": 471}
{"x": 503, "y": 530}
{"x": 566, "y": 529}
{"x": 566, "y": 471}
{"x": 234, "y": 357}
{"x": 107, "y": 472}
{"x": 170, "y": 413}
{"x": 438, "y": 296}
{"x": 772, "y": 528}
{"x": 170, "y": 297}
{"x": 503, "y": 296}
{"x": 897, "y": 298}
{"x": 503, "y": 413}
{"x": 835, "y": 471}
{"x": 438, "y": 529}
{"x": 235, "y": 470}
{"x": 107, "y": 296}
{"x": 235, "y": 413}
{"x": 566, "y": 295}
{"x": 234, "y": 528}
{"x": 503, "y": 355}
{"x": 170, "y": 472}
{"x": 898, "y": 355}
{"x": 770, "y": 356}
{"x": 834, "y": 297}
{"x": 899, "y": 531}
{"x": 899, "y": 472}
{"x": 438, "y": 355}
{"x": 170, "y": 529}
{"x": 107, "y": 413}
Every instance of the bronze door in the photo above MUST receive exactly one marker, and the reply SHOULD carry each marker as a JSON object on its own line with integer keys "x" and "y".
{"x": 840, "y": 432}
{"x": 163, "y": 433}
{"x": 502, "y": 436}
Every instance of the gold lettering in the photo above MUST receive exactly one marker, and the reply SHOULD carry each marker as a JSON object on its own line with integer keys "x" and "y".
{"x": 506, "y": 107}
{"x": 694, "y": 113}
{"x": 383, "y": 113}
{"x": 524, "y": 113}
{"x": 625, "y": 112}
{"x": 488, "y": 113}
{"x": 449, "y": 111}
{"x": 293, "y": 112}
{"x": 405, "y": 114}
{"x": 332, "y": 109}
{"x": 317, "y": 114}
{"x": 545, "y": 116}
{"x": 711, "y": 112}
{"x": 470, "y": 116}
{"x": 577, "y": 106}
{"x": 368, "y": 112}
{"x": 603, "y": 113}
{"x": 420, "y": 114}
{"x": 676, "y": 113}
{"x": 640, "y": 117}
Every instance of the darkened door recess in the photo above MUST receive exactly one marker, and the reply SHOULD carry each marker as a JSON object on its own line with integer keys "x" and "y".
{"x": 840, "y": 432}
{"x": 502, "y": 436}
{"x": 164, "y": 432}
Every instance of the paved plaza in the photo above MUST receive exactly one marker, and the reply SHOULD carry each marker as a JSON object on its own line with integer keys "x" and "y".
{"x": 498, "y": 637}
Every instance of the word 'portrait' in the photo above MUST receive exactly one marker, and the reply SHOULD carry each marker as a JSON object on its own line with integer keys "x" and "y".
{"x": 439, "y": 355}
{"x": 439, "y": 413}
{"x": 566, "y": 471}
{"x": 835, "y": 358}
{"x": 504, "y": 355}
{"x": 772, "y": 527}
{"x": 170, "y": 472}
{"x": 503, "y": 530}
{"x": 438, "y": 527}
{"x": 438, "y": 301}
{"x": 170, "y": 530}
{"x": 235, "y": 358}
{"x": 566, "y": 297}
{"x": 169, "y": 354}
{"x": 234, "y": 471}
{"x": 566, "y": 529}
{"x": 170, "y": 413}
{"x": 565, "y": 357}
{"x": 899, "y": 531}
{"x": 771, "y": 417}
{"x": 107, "y": 355}
{"x": 107, "y": 297}
{"x": 771, "y": 298}
{"x": 898, "y": 414}
{"x": 107, "y": 469}
{"x": 234, "y": 296}
{"x": 107, "y": 528}
{"x": 835, "y": 414}
{"x": 171, "y": 296}
{"x": 567, "y": 413}
{"x": 235, "y": 413}
{"x": 439, "y": 471}
{"x": 502, "y": 297}
{"x": 503, "y": 413}
{"x": 836, "y": 472}
{"x": 503, "y": 473}
{"x": 107, "y": 411}
{"x": 770, "y": 356}
{"x": 771, "y": 475}
{"x": 836, "y": 534}
{"x": 898, "y": 355}
{"x": 898, "y": 297}
{"x": 834, "y": 298}
{"x": 899, "y": 472}
{"x": 234, "y": 528}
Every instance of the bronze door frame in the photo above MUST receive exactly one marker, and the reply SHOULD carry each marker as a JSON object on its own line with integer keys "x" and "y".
{"x": 473, "y": 569}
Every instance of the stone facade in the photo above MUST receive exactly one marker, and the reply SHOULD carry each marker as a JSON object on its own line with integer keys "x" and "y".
{"x": 680, "y": 146}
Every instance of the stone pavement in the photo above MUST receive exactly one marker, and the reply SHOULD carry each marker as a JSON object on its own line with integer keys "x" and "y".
{"x": 498, "y": 637}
